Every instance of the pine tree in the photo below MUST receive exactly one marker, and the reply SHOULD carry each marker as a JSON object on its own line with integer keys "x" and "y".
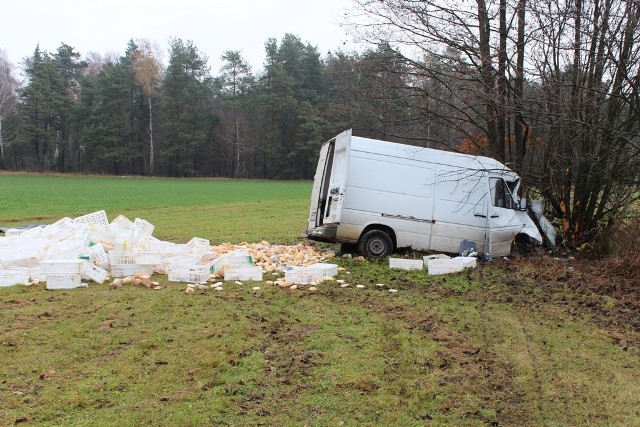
{"x": 235, "y": 82}
{"x": 187, "y": 116}
{"x": 40, "y": 105}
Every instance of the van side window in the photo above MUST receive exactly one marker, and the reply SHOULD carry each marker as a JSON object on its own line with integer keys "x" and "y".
{"x": 500, "y": 194}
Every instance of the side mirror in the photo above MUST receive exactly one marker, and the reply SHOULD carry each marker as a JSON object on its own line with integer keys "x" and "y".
{"x": 521, "y": 205}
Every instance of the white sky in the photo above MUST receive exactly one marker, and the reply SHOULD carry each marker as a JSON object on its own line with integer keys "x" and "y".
{"x": 214, "y": 26}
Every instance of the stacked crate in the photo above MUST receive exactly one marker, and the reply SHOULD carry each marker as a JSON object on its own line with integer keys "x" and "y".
{"x": 195, "y": 273}
{"x": 185, "y": 263}
{"x": 130, "y": 254}
{"x": 231, "y": 260}
{"x": 62, "y": 274}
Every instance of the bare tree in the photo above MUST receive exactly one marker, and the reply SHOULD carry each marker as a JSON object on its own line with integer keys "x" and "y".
{"x": 457, "y": 47}
{"x": 8, "y": 86}
{"x": 587, "y": 60}
{"x": 148, "y": 71}
{"x": 95, "y": 61}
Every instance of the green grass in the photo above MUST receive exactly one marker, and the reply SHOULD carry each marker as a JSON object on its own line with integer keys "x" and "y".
{"x": 216, "y": 209}
{"x": 463, "y": 349}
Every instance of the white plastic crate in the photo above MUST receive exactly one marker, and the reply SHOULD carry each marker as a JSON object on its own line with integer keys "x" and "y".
{"x": 61, "y": 229}
{"x": 36, "y": 273}
{"x": 121, "y": 227}
{"x": 453, "y": 265}
{"x": 169, "y": 261}
{"x": 100, "y": 234}
{"x": 303, "y": 275}
{"x": 243, "y": 273}
{"x": 97, "y": 224}
{"x": 177, "y": 259}
{"x": 23, "y": 256}
{"x": 428, "y": 258}
{"x": 12, "y": 232}
{"x": 99, "y": 255}
{"x": 142, "y": 230}
{"x": 406, "y": 264}
{"x": 123, "y": 244}
{"x": 64, "y": 281}
{"x": 13, "y": 277}
{"x": 122, "y": 258}
{"x": 189, "y": 273}
{"x": 148, "y": 257}
{"x": 330, "y": 270}
{"x": 122, "y": 270}
{"x": 199, "y": 246}
{"x": 31, "y": 234}
{"x": 233, "y": 259}
{"x": 98, "y": 218}
{"x": 93, "y": 272}
{"x": 169, "y": 248}
{"x": 68, "y": 248}
{"x": 61, "y": 266}
{"x": 59, "y": 224}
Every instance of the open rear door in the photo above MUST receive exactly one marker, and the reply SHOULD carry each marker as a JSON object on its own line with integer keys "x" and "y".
{"x": 323, "y": 196}
{"x": 336, "y": 180}
{"x": 321, "y": 185}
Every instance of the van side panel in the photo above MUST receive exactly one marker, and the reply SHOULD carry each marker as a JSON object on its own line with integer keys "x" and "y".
{"x": 461, "y": 210}
{"x": 390, "y": 191}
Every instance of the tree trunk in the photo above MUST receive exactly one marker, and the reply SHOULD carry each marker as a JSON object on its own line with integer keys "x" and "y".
{"x": 501, "y": 110}
{"x": 150, "y": 136}
{"x": 488, "y": 80}
{"x": 520, "y": 136}
{"x": 1, "y": 141}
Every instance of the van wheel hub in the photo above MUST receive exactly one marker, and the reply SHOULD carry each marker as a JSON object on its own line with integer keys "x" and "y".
{"x": 375, "y": 244}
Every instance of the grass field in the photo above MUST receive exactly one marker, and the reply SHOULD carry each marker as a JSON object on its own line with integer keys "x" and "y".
{"x": 510, "y": 343}
{"x": 216, "y": 209}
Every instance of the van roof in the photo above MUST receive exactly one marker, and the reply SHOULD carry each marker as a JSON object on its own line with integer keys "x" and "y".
{"x": 430, "y": 155}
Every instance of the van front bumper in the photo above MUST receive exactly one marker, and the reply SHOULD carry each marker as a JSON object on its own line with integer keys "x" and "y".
{"x": 324, "y": 233}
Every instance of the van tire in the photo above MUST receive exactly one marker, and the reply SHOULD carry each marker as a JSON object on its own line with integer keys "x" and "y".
{"x": 375, "y": 244}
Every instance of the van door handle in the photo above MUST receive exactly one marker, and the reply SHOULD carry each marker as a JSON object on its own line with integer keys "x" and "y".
{"x": 480, "y": 215}
{"x": 495, "y": 216}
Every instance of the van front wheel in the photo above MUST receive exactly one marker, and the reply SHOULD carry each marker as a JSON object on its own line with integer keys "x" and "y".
{"x": 375, "y": 244}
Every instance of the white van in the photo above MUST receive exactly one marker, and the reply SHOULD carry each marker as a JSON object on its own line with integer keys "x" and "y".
{"x": 383, "y": 196}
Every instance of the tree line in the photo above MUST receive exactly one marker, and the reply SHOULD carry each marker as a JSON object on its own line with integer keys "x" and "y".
{"x": 133, "y": 115}
{"x": 551, "y": 88}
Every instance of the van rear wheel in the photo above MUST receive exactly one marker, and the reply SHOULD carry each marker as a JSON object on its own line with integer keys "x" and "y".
{"x": 375, "y": 244}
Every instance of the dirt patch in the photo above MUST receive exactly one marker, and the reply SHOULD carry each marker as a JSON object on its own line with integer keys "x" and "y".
{"x": 466, "y": 369}
{"x": 11, "y": 304}
{"x": 607, "y": 290}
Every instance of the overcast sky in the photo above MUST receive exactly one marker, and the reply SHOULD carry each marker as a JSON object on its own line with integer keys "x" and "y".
{"x": 214, "y": 26}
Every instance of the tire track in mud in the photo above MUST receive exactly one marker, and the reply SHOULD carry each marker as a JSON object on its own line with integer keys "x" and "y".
{"x": 466, "y": 368}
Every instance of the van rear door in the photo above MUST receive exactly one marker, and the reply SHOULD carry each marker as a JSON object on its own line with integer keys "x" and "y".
{"x": 334, "y": 195}
{"x": 321, "y": 185}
